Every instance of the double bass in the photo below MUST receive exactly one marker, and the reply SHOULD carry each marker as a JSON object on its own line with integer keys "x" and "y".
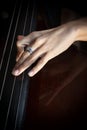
{"x": 56, "y": 97}
{"x": 17, "y": 17}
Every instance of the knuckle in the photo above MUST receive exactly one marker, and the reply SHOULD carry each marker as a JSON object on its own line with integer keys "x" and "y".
{"x": 24, "y": 64}
{"x": 36, "y": 40}
{"x": 32, "y": 60}
{"x": 39, "y": 40}
{"x": 33, "y": 33}
{"x": 27, "y": 63}
{"x": 43, "y": 60}
{"x": 17, "y": 43}
{"x": 23, "y": 56}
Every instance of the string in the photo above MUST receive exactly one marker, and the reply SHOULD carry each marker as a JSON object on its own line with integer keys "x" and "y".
{"x": 10, "y": 53}
{"x": 13, "y": 81}
{"x": 9, "y": 104}
{"x": 8, "y": 35}
{"x": 23, "y": 76}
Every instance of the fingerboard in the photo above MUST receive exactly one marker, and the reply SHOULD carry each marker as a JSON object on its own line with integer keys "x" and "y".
{"x": 14, "y": 90}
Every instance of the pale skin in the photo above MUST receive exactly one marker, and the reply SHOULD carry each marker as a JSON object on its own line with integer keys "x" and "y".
{"x": 47, "y": 44}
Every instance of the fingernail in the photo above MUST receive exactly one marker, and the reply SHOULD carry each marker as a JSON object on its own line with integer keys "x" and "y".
{"x": 15, "y": 72}
{"x": 31, "y": 73}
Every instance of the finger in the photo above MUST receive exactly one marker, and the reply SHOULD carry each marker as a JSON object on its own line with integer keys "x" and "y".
{"x": 37, "y": 43}
{"x": 31, "y": 37}
{"x": 24, "y": 55}
{"x": 27, "y": 62}
{"x": 26, "y": 40}
{"x": 22, "y": 67}
{"x": 30, "y": 40}
{"x": 20, "y": 47}
{"x": 39, "y": 66}
{"x": 19, "y": 53}
{"x": 20, "y": 37}
{"x": 23, "y": 42}
{"x": 35, "y": 46}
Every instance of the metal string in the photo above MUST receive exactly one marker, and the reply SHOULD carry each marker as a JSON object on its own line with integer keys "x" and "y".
{"x": 10, "y": 53}
{"x": 8, "y": 35}
{"x": 23, "y": 74}
{"x": 14, "y": 78}
{"x": 9, "y": 104}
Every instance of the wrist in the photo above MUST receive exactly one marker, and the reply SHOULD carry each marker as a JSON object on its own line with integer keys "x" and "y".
{"x": 80, "y": 29}
{"x": 73, "y": 25}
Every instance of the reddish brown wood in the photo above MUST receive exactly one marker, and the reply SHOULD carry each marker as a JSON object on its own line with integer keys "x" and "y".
{"x": 58, "y": 93}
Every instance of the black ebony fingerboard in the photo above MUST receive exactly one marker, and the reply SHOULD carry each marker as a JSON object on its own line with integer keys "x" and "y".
{"x": 21, "y": 19}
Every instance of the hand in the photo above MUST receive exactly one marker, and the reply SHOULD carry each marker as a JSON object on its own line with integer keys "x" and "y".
{"x": 45, "y": 44}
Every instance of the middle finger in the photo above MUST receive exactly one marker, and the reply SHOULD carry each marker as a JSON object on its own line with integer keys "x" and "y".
{"x": 22, "y": 66}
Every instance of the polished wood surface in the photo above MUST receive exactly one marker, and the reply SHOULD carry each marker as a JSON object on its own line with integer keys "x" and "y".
{"x": 57, "y": 97}
{"x": 58, "y": 93}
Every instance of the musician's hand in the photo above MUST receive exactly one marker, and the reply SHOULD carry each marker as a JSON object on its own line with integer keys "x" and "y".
{"x": 45, "y": 45}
